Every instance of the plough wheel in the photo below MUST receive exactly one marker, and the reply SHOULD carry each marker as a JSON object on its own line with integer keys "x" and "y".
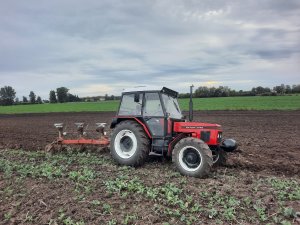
{"x": 53, "y": 148}
{"x": 49, "y": 148}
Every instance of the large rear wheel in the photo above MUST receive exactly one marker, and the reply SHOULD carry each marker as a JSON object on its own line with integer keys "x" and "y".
{"x": 192, "y": 157}
{"x": 129, "y": 144}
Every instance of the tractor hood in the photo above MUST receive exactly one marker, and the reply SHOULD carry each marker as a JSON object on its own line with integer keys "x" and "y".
{"x": 190, "y": 126}
{"x": 210, "y": 133}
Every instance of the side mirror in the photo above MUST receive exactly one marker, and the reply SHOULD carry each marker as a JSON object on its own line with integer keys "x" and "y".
{"x": 136, "y": 97}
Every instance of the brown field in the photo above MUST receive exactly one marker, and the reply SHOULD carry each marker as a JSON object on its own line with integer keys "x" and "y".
{"x": 257, "y": 178}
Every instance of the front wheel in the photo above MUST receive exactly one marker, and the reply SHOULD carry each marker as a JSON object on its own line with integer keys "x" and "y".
{"x": 192, "y": 157}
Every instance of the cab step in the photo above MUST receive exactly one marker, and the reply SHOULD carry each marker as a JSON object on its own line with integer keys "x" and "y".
{"x": 155, "y": 154}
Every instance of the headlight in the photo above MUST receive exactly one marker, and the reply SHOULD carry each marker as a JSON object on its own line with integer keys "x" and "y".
{"x": 219, "y": 137}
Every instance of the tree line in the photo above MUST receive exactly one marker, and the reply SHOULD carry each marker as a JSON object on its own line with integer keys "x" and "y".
{"x": 224, "y": 91}
{"x": 8, "y": 97}
{"x": 62, "y": 95}
{"x": 8, "y": 94}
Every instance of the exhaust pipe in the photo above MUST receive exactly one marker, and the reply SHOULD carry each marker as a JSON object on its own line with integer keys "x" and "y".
{"x": 191, "y": 104}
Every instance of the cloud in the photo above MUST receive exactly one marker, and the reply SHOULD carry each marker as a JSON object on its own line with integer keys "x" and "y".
{"x": 91, "y": 89}
{"x": 104, "y": 46}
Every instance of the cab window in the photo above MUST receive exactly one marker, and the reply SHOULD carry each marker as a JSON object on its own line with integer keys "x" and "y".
{"x": 172, "y": 107}
{"x": 153, "y": 105}
{"x": 130, "y": 105}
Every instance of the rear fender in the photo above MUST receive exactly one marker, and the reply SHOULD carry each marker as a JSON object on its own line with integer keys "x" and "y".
{"x": 117, "y": 120}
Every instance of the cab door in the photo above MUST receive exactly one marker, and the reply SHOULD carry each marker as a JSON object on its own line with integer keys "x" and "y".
{"x": 153, "y": 114}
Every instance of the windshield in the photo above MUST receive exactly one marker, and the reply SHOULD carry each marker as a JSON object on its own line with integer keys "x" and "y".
{"x": 172, "y": 107}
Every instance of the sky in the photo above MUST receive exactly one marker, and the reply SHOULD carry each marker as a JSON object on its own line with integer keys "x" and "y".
{"x": 94, "y": 47}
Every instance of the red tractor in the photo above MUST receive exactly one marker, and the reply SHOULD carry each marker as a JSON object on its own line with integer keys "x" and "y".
{"x": 150, "y": 122}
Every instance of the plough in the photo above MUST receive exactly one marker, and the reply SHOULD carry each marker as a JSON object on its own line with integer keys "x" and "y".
{"x": 57, "y": 145}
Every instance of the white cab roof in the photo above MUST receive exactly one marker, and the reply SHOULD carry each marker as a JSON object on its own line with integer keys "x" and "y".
{"x": 142, "y": 88}
{"x": 155, "y": 89}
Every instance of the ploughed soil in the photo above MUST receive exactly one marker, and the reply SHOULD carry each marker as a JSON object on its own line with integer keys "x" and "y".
{"x": 258, "y": 185}
{"x": 268, "y": 140}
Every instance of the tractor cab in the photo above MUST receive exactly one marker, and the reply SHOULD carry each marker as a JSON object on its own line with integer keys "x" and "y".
{"x": 157, "y": 109}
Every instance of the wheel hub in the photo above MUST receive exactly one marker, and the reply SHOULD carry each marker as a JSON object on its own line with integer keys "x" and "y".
{"x": 126, "y": 143}
{"x": 191, "y": 158}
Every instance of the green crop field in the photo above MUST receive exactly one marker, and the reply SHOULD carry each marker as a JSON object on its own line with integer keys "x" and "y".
{"x": 245, "y": 103}
{"x": 226, "y": 103}
{"x": 61, "y": 107}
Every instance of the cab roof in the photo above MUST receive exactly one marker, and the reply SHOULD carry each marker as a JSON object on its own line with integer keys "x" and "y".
{"x": 151, "y": 89}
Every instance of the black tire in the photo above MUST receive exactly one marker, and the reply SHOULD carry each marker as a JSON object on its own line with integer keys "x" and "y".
{"x": 130, "y": 144}
{"x": 219, "y": 157}
{"x": 192, "y": 157}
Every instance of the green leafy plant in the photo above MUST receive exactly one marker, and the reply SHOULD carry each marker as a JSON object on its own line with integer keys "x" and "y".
{"x": 7, "y": 216}
{"x": 106, "y": 208}
{"x": 260, "y": 211}
{"x": 112, "y": 222}
{"x": 129, "y": 219}
{"x": 212, "y": 213}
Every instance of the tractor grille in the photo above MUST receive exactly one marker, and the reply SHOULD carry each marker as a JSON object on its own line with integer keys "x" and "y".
{"x": 205, "y": 136}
